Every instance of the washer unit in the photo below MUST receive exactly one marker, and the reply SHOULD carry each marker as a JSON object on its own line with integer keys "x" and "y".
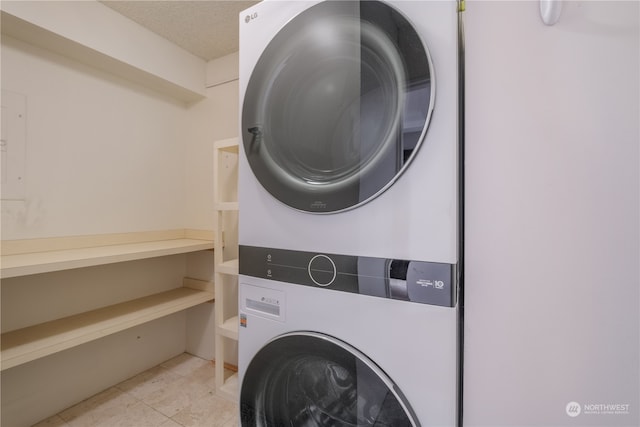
{"x": 349, "y": 213}
{"x": 316, "y": 352}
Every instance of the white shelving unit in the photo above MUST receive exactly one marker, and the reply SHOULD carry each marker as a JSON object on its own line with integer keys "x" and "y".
{"x": 26, "y": 257}
{"x": 225, "y": 160}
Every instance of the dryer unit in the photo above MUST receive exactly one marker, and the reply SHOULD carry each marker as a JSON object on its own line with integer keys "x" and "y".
{"x": 350, "y": 129}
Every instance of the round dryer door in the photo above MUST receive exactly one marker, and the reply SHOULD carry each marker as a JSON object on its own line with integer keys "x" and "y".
{"x": 313, "y": 380}
{"x": 337, "y": 105}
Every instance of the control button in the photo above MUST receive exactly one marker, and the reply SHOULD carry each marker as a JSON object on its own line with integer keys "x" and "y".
{"x": 322, "y": 270}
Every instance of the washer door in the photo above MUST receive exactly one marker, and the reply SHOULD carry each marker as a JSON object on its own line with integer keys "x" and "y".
{"x": 313, "y": 380}
{"x": 337, "y": 105}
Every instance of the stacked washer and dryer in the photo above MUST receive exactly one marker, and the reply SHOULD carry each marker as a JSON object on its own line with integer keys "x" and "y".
{"x": 350, "y": 213}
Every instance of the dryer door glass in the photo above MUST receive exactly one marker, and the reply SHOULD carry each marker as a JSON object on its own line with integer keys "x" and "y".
{"x": 337, "y": 105}
{"x": 313, "y": 380}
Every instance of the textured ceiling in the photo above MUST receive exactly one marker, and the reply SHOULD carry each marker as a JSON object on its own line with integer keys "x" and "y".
{"x": 206, "y": 28}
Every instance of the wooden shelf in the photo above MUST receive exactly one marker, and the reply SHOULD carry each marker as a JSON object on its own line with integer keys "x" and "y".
{"x": 47, "y": 261}
{"x": 27, "y": 344}
{"x": 229, "y": 145}
{"x": 230, "y": 328}
{"x": 228, "y": 267}
{"x": 226, "y": 206}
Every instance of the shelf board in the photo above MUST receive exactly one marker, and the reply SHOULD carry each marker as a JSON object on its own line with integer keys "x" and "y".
{"x": 229, "y": 328}
{"x": 48, "y": 261}
{"x": 230, "y": 145}
{"x": 31, "y": 343}
{"x": 228, "y": 267}
{"x": 226, "y": 206}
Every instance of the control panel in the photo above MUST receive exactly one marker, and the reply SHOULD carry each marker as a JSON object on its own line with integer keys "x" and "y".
{"x": 415, "y": 281}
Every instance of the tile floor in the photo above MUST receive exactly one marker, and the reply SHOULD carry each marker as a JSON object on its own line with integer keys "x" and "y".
{"x": 178, "y": 392}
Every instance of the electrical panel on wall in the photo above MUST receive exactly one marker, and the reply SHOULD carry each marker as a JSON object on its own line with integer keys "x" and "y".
{"x": 13, "y": 145}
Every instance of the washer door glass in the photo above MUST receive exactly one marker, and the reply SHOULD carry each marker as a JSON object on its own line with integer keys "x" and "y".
{"x": 337, "y": 105}
{"x": 313, "y": 380}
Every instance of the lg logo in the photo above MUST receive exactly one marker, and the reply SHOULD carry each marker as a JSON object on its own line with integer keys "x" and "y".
{"x": 573, "y": 409}
{"x": 251, "y": 17}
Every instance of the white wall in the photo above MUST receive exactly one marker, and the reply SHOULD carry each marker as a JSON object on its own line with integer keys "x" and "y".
{"x": 552, "y": 213}
{"x": 103, "y": 155}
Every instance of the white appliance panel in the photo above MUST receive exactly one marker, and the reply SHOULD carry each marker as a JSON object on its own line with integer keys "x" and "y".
{"x": 417, "y": 217}
{"x": 415, "y": 344}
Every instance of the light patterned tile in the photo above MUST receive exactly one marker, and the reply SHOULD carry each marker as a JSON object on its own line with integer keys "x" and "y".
{"x": 138, "y": 415}
{"x": 95, "y": 410}
{"x": 210, "y": 411}
{"x": 185, "y": 364}
{"x": 149, "y": 382}
{"x": 204, "y": 375}
{"x": 54, "y": 421}
{"x": 234, "y": 421}
{"x": 170, "y": 423}
{"x": 112, "y": 408}
{"x": 182, "y": 388}
{"x": 174, "y": 397}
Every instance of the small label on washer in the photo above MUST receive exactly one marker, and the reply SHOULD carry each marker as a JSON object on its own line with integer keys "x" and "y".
{"x": 243, "y": 320}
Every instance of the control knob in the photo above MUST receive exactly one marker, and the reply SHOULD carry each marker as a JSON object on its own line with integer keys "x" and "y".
{"x": 322, "y": 270}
